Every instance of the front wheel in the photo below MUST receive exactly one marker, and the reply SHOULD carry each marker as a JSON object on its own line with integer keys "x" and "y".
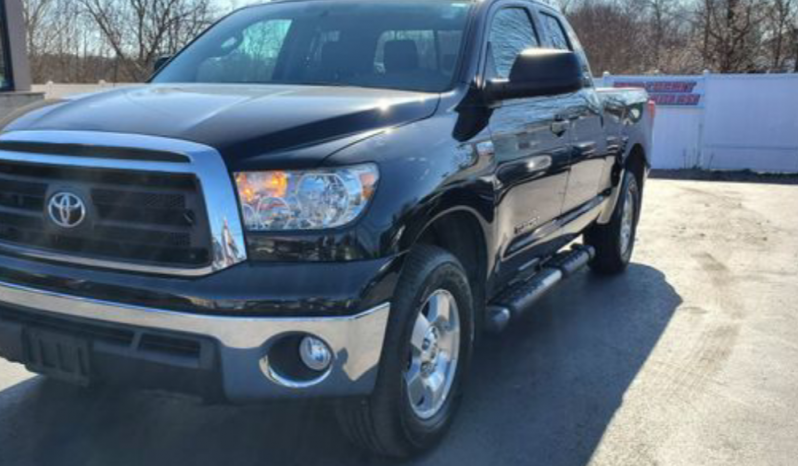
{"x": 614, "y": 242}
{"x": 424, "y": 361}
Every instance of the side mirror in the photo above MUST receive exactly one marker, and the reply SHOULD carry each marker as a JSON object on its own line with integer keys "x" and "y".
{"x": 159, "y": 63}
{"x": 539, "y": 72}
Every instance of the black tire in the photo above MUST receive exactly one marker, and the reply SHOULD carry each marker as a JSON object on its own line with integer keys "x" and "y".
{"x": 385, "y": 423}
{"x": 606, "y": 239}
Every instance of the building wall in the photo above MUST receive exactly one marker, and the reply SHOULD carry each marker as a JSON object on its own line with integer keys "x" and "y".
{"x": 5, "y": 75}
{"x": 10, "y": 101}
{"x": 14, "y": 54}
{"x": 15, "y": 85}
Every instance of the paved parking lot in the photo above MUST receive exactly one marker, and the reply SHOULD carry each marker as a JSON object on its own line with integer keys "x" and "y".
{"x": 691, "y": 358}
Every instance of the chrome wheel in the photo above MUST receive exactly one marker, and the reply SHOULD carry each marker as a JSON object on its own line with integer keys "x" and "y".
{"x": 627, "y": 221}
{"x": 434, "y": 351}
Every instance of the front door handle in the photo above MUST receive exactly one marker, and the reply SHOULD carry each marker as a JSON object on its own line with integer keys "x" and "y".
{"x": 560, "y": 126}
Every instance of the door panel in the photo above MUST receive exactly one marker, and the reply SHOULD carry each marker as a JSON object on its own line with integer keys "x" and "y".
{"x": 589, "y": 152}
{"x": 532, "y": 156}
{"x": 589, "y": 144}
{"x": 531, "y": 147}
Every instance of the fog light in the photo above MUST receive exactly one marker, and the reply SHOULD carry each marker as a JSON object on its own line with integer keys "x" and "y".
{"x": 315, "y": 353}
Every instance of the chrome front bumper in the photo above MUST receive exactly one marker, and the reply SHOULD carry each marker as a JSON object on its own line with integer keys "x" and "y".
{"x": 356, "y": 341}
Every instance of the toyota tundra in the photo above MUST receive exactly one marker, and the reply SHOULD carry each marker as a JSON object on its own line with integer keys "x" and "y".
{"x": 318, "y": 198}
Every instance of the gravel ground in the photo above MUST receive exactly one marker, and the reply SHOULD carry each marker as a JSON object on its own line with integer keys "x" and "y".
{"x": 687, "y": 359}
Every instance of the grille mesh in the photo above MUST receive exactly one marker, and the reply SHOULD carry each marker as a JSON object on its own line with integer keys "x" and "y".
{"x": 143, "y": 217}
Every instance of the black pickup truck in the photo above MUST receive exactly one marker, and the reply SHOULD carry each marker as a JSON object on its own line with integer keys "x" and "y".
{"x": 318, "y": 198}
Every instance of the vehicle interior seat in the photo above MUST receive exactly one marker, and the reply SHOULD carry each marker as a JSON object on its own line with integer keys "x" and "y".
{"x": 401, "y": 56}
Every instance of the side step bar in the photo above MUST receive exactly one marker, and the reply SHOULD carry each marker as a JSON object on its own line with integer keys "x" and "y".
{"x": 519, "y": 299}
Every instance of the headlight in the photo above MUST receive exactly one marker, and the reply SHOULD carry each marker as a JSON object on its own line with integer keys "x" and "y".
{"x": 305, "y": 200}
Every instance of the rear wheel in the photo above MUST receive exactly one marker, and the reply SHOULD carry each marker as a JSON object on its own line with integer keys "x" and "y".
{"x": 424, "y": 362}
{"x": 614, "y": 242}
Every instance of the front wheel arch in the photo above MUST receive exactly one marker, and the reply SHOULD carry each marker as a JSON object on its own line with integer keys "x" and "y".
{"x": 384, "y": 422}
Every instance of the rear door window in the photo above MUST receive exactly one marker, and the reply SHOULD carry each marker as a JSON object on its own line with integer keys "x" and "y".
{"x": 561, "y": 36}
{"x": 555, "y": 32}
{"x": 511, "y": 33}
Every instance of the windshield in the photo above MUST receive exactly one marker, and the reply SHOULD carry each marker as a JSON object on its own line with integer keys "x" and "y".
{"x": 406, "y": 45}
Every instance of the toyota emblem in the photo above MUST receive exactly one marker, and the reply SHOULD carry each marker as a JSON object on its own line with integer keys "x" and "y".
{"x": 66, "y": 210}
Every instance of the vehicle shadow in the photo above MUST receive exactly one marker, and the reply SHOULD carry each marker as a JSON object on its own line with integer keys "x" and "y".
{"x": 542, "y": 393}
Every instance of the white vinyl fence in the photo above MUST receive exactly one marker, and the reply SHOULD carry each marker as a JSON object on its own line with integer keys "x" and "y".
{"x": 723, "y": 122}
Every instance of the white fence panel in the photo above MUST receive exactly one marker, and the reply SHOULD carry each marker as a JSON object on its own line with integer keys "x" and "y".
{"x": 751, "y": 122}
{"x": 737, "y": 122}
{"x": 677, "y": 133}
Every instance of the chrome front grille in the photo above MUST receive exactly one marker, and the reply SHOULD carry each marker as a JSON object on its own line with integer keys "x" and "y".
{"x": 145, "y": 215}
{"x": 134, "y": 216}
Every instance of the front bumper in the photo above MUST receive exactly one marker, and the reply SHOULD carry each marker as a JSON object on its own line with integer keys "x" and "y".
{"x": 208, "y": 355}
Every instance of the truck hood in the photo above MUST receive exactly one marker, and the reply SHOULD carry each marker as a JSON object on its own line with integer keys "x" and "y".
{"x": 241, "y": 121}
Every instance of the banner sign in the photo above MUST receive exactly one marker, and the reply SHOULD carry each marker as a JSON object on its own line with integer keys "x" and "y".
{"x": 665, "y": 91}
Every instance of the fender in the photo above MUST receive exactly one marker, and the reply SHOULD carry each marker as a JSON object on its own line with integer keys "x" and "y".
{"x": 619, "y": 171}
{"x": 638, "y": 133}
{"x": 463, "y": 199}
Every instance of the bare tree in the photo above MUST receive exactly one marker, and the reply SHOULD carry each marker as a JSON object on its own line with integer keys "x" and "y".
{"x": 34, "y": 13}
{"x": 667, "y": 31}
{"x": 613, "y": 35}
{"x": 139, "y": 31}
{"x": 795, "y": 47}
{"x": 781, "y": 19}
{"x": 38, "y": 15}
{"x": 57, "y": 34}
{"x": 566, "y": 5}
{"x": 118, "y": 40}
{"x": 732, "y": 35}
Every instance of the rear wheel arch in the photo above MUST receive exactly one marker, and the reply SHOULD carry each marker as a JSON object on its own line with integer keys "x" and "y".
{"x": 637, "y": 162}
{"x": 613, "y": 242}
